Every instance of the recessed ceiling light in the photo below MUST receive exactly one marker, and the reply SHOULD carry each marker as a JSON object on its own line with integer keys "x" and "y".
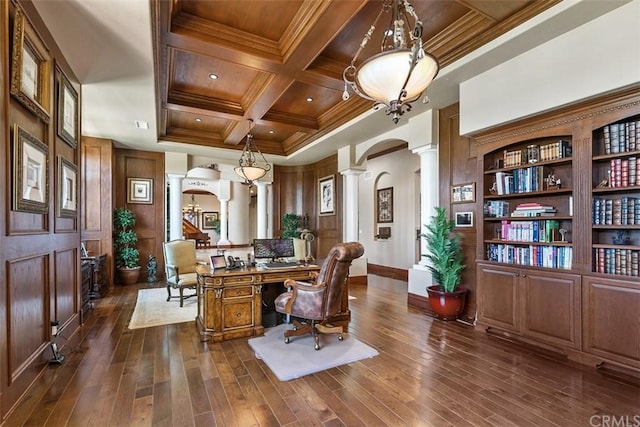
{"x": 198, "y": 119}
{"x": 213, "y": 76}
{"x": 141, "y": 124}
{"x": 272, "y": 131}
{"x": 309, "y": 99}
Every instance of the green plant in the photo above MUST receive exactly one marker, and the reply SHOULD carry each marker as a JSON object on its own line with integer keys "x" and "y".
{"x": 216, "y": 225}
{"x": 445, "y": 257}
{"x": 290, "y": 225}
{"x": 125, "y": 238}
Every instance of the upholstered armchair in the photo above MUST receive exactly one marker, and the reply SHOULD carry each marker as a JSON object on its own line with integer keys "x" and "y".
{"x": 315, "y": 303}
{"x": 180, "y": 267}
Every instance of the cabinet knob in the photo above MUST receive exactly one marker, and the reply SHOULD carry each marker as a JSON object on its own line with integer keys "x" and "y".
{"x": 524, "y": 275}
{"x": 517, "y": 274}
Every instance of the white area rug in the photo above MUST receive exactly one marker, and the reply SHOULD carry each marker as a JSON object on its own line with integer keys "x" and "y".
{"x": 299, "y": 358}
{"x": 152, "y": 309}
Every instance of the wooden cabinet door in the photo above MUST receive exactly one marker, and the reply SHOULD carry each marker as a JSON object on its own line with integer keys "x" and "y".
{"x": 611, "y": 318}
{"x": 551, "y": 307}
{"x": 498, "y": 297}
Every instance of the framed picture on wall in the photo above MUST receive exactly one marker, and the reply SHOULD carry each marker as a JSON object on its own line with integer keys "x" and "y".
{"x": 30, "y": 172}
{"x": 326, "y": 195}
{"x": 30, "y": 68}
{"x": 140, "y": 190}
{"x": 67, "y": 188}
{"x": 384, "y": 205}
{"x": 209, "y": 220}
{"x": 463, "y": 193}
{"x": 464, "y": 219}
{"x": 67, "y": 123}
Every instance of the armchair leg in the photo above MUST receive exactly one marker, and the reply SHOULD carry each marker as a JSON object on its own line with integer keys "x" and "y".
{"x": 181, "y": 296}
{"x": 169, "y": 292}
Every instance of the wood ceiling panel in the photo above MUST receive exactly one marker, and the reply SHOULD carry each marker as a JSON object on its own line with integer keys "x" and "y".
{"x": 497, "y": 10}
{"x": 254, "y": 16}
{"x": 294, "y": 100}
{"x": 191, "y": 75}
{"x": 184, "y": 120}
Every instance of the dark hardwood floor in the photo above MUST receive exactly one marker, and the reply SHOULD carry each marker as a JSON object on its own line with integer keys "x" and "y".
{"x": 428, "y": 373}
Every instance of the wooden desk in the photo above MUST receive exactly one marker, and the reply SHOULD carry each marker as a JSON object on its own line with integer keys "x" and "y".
{"x": 230, "y": 302}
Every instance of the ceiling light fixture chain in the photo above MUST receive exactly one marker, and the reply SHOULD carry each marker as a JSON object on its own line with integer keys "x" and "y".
{"x": 400, "y": 73}
{"x": 249, "y": 167}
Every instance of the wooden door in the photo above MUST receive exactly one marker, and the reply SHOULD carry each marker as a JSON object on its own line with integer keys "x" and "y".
{"x": 498, "y": 297}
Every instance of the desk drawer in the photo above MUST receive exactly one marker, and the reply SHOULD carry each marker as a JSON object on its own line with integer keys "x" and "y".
{"x": 243, "y": 291}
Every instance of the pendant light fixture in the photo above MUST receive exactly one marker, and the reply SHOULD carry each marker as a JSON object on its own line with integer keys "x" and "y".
{"x": 249, "y": 169}
{"x": 400, "y": 73}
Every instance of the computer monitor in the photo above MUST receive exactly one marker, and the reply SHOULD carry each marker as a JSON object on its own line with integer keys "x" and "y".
{"x": 273, "y": 248}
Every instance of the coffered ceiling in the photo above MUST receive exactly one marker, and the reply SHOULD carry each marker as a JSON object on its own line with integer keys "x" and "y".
{"x": 280, "y": 62}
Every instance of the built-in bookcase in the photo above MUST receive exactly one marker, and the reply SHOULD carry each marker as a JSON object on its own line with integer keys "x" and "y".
{"x": 616, "y": 198}
{"x": 528, "y": 203}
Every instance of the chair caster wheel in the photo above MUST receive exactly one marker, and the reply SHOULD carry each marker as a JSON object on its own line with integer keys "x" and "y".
{"x": 340, "y": 337}
{"x": 317, "y": 346}
{"x": 287, "y": 340}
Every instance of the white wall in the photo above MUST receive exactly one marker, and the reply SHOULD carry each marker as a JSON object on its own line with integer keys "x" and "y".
{"x": 395, "y": 170}
{"x": 597, "y": 57}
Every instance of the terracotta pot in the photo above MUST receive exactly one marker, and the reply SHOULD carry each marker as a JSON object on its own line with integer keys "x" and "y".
{"x": 129, "y": 276}
{"x": 446, "y": 305}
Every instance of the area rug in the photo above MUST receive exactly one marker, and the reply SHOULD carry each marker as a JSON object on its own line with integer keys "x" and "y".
{"x": 152, "y": 309}
{"x": 299, "y": 358}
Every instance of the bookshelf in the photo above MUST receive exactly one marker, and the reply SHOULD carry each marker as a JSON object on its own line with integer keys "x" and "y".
{"x": 575, "y": 293}
{"x": 615, "y": 207}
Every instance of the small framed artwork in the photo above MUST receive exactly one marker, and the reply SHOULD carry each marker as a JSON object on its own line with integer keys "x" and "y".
{"x": 139, "y": 190}
{"x": 326, "y": 187}
{"x": 67, "y": 188}
{"x": 209, "y": 220}
{"x": 30, "y": 68}
{"x": 67, "y": 123}
{"x": 30, "y": 172}
{"x": 463, "y": 193}
{"x": 464, "y": 219}
{"x": 384, "y": 205}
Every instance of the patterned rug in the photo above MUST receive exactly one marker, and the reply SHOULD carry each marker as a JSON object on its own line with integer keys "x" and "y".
{"x": 152, "y": 309}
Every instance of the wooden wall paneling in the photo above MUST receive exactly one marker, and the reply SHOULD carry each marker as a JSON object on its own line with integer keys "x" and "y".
{"x": 39, "y": 262}
{"x": 329, "y": 230}
{"x": 97, "y": 164}
{"x": 150, "y": 218}
{"x": 458, "y": 164}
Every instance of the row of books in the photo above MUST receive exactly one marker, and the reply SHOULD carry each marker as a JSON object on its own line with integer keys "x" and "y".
{"x": 616, "y": 261}
{"x": 532, "y": 255}
{"x": 622, "y": 211}
{"x": 530, "y": 231}
{"x": 523, "y": 180}
{"x": 621, "y": 137}
{"x": 533, "y": 209}
{"x": 624, "y": 172}
{"x": 496, "y": 209}
{"x": 537, "y": 153}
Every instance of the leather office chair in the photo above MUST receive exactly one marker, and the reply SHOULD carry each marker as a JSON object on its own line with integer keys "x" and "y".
{"x": 180, "y": 267}
{"x": 317, "y": 302}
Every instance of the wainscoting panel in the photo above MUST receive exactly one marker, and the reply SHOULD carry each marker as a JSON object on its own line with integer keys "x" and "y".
{"x": 66, "y": 284}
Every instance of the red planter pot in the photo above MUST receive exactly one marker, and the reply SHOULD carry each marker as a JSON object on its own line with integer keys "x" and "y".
{"x": 447, "y": 305}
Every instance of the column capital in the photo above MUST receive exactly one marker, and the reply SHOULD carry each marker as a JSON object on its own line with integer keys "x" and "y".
{"x": 352, "y": 171}
{"x": 428, "y": 148}
{"x": 175, "y": 175}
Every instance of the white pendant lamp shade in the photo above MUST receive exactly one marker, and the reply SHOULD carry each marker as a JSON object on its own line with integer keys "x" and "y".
{"x": 383, "y": 75}
{"x": 250, "y": 173}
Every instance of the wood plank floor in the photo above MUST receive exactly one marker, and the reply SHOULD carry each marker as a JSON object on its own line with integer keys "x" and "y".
{"x": 428, "y": 373}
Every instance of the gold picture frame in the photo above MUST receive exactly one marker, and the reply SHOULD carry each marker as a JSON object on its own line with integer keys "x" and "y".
{"x": 384, "y": 205}
{"x": 140, "y": 190}
{"x": 67, "y": 120}
{"x": 30, "y": 172}
{"x": 67, "y": 192}
{"x": 209, "y": 220}
{"x": 30, "y": 68}
{"x": 326, "y": 195}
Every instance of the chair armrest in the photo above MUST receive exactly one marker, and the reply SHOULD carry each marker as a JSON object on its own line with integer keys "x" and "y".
{"x": 175, "y": 268}
{"x": 304, "y": 291}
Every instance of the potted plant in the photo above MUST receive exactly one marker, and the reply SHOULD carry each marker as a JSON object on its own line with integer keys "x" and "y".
{"x": 127, "y": 256}
{"x": 446, "y": 264}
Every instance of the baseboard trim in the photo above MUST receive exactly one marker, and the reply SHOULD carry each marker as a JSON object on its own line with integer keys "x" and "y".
{"x": 357, "y": 280}
{"x": 388, "y": 272}
{"x": 420, "y": 302}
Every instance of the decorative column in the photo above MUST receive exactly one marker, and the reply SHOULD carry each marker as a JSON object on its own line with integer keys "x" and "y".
{"x": 261, "y": 210}
{"x": 224, "y": 233}
{"x": 351, "y": 197}
{"x": 238, "y": 222}
{"x": 175, "y": 206}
